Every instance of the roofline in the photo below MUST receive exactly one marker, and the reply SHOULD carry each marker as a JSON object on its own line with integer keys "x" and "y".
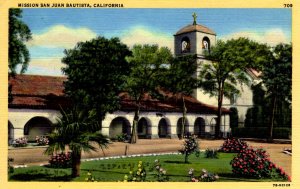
{"x": 195, "y": 31}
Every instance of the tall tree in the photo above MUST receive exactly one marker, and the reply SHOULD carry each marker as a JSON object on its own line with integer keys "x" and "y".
{"x": 96, "y": 71}
{"x": 78, "y": 131}
{"x": 180, "y": 79}
{"x": 147, "y": 64}
{"x": 229, "y": 60}
{"x": 18, "y": 34}
{"x": 18, "y": 54}
{"x": 277, "y": 78}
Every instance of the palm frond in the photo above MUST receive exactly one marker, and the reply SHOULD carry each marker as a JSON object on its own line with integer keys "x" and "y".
{"x": 75, "y": 129}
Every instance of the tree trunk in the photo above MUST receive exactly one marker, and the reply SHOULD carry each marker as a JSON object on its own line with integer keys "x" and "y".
{"x": 134, "y": 136}
{"x": 76, "y": 157}
{"x": 219, "y": 113}
{"x": 271, "y": 124}
{"x": 186, "y": 156}
{"x": 183, "y": 118}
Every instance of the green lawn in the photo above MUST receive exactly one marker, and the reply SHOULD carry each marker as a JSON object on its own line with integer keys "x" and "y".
{"x": 115, "y": 169}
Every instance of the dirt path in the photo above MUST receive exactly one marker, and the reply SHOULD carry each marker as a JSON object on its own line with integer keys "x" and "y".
{"x": 35, "y": 156}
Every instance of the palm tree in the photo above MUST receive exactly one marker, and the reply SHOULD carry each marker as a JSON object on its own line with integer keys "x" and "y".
{"x": 78, "y": 131}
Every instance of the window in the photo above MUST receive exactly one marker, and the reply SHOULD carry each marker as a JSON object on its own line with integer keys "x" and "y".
{"x": 185, "y": 45}
{"x": 206, "y": 43}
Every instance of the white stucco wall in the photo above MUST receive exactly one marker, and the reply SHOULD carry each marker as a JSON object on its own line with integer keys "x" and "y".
{"x": 19, "y": 117}
{"x": 171, "y": 117}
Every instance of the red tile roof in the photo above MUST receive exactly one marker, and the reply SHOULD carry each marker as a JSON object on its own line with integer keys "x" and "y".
{"x": 193, "y": 28}
{"x": 37, "y": 85}
{"x": 33, "y": 91}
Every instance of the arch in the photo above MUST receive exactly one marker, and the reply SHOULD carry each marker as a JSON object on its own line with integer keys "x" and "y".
{"x": 164, "y": 129}
{"x": 179, "y": 127}
{"x": 10, "y": 132}
{"x": 144, "y": 128}
{"x": 119, "y": 125}
{"x": 199, "y": 127}
{"x": 37, "y": 126}
{"x": 185, "y": 45}
{"x": 205, "y": 43}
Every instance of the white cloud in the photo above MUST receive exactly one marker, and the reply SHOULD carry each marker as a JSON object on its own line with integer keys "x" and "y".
{"x": 143, "y": 35}
{"x": 61, "y": 36}
{"x": 50, "y": 66}
{"x": 271, "y": 37}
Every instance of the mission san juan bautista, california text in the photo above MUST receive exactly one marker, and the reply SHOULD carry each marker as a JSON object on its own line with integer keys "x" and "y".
{"x": 70, "y": 5}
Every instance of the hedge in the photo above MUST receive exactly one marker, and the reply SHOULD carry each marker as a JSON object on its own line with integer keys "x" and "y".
{"x": 261, "y": 132}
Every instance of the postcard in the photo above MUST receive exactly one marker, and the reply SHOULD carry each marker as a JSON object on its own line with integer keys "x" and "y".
{"x": 149, "y": 94}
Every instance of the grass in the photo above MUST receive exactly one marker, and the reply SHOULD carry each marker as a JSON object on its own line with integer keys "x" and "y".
{"x": 115, "y": 169}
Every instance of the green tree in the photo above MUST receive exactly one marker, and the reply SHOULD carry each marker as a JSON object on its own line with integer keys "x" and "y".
{"x": 229, "y": 61}
{"x": 18, "y": 34}
{"x": 18, "y": 54}
{"x": 147, "y": 64}
{"x": 180, "y": 79}
{"x": 78, "y": 131}
{"x": 234, "y": 117}
{"x": 277, "y": 78}
{"x": 96, "y": 71}
{"x": 257, "y": 116}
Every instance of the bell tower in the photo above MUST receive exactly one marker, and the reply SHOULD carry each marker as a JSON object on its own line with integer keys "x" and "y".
{"x": 194, "y": 39}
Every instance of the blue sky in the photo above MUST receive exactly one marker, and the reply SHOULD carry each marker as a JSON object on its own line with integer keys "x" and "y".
{"x": 57, "y": 29}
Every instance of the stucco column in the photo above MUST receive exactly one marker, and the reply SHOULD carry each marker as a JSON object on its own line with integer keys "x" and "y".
{"x": 154, "y": 132}
{"x": 105, "y": 126}
{"x": 173, "y": 126}
{"x": 18, "y": 133}
{"x": 153, "y": 129}
{"x": 191, "y": 120}
{"x": 225, "y": 127}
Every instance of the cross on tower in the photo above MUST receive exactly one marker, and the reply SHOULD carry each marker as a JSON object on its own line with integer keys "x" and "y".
{"x": 195, "y": 17}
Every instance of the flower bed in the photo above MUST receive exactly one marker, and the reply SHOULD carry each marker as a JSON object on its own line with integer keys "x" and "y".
{"x": 205, "y": 176}
{"x": 233, "y": 145}
{"x": 256, "y": 163}
{"x": 62, "y": 160}
{"x": 20, "y": 142}
{"x": 41, "y": 140}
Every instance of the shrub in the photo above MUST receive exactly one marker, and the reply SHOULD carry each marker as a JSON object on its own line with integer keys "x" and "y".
{"x": 233, "y": 145}
{"x": 279, "y": 174}
{"x": 233, "y": 117}
{"x": 160, "y": 173}
{"x": 257, "y": 164}
{"x": 138, "y": 175}
{"x": 122, "y": 137}
{"x": 211, "y": 153}
{"x": 62, "y": 160}
{"x": 205, "y": 176}
{"x": 190, "y": 146}
{"x": 41, "y": 140}
{"x": 20, "y": 142}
